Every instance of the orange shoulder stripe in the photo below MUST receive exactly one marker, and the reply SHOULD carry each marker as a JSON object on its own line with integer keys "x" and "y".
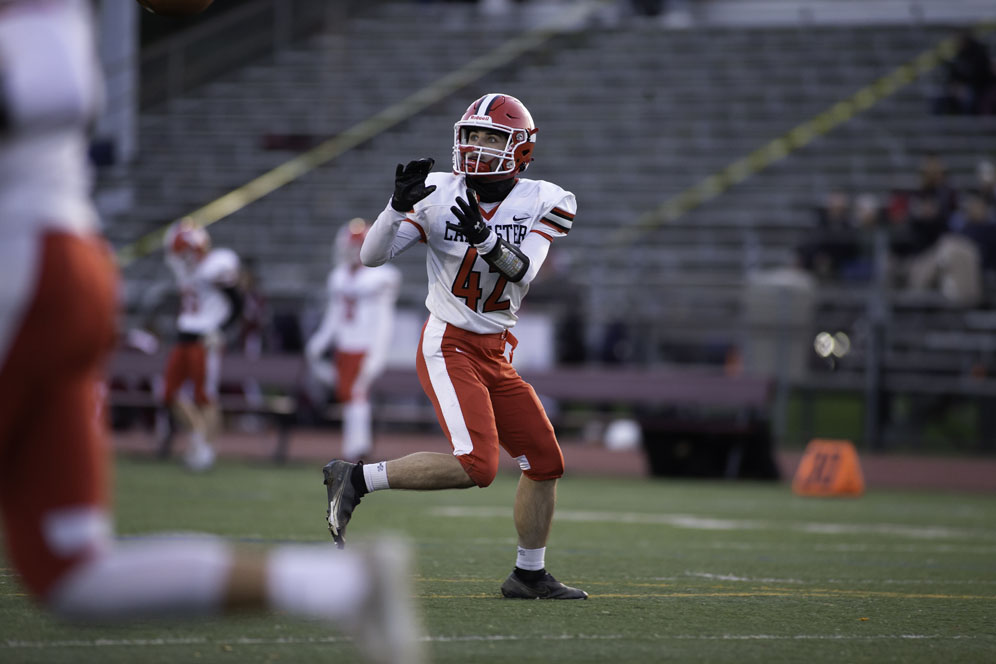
{"x": 559, "y": 229}
{"x": 563, "y": 213}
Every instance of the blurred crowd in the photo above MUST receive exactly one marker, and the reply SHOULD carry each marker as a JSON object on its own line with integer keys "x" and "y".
{"x": 940, "y": 238}
{"x": 969, "y": 86}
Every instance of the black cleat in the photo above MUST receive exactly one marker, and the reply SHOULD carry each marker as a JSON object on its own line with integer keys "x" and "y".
{"x": 546, "y": 587}
{"x": 342, "y": 498}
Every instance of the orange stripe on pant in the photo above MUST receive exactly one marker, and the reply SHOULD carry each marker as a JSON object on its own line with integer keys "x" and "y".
{"x": 187, "y": 361}
{"x": 347, "y": 368}
{"x": 482, "y": 403}
{"x": 53, "y": 440}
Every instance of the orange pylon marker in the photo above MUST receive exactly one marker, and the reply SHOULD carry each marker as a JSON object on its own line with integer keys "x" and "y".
{"x": 829, "y": 468}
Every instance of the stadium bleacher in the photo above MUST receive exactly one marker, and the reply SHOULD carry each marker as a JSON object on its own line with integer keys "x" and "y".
{"x": 631, "y": 113}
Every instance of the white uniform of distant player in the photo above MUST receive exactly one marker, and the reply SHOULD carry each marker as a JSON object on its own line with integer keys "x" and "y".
{"x": 358, "y": 324}
{"x": 205, "y": 281}
{"x": 204, "y": 307}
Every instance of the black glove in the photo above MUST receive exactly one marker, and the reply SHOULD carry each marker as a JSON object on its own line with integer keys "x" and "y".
{"x": 469, "y": 216}
{"x": 409, "y": 184}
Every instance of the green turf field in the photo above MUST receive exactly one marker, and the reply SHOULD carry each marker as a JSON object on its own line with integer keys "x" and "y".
{"x": 678, "y": 572}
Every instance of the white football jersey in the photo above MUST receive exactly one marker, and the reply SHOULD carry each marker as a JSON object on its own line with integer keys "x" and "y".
{"x": 50, "y": 90}
{"x": 356, "y": 296}
{"x": 463, "y": 289}
{"x": 203, "y": 305}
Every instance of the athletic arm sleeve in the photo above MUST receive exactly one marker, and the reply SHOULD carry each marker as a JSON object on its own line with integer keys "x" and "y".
{"x": 388, "y": 237}
{"x": 535, "y": 247}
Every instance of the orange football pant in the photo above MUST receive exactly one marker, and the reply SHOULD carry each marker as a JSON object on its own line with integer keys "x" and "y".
{"x": 53, "y": 436}
{"x": 482, "y": 403}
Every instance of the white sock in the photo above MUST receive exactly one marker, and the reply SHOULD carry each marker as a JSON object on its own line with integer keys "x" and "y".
{"x": 375, "y": 475}
{"x": 530, "y": 559}
{"x": 316, "y": 581}
{"x": 159, "y": 577}
{"x": 198, "y": 440}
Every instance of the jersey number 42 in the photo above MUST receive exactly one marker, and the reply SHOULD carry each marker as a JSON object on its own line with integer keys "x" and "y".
{"x": 467, "y": 285}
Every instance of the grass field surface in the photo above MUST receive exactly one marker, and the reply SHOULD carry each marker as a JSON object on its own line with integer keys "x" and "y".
{"x": 678, "y": 571}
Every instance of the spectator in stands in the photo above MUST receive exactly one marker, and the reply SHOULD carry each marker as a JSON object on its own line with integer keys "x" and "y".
{"x": 57, "y": 327}
{"x": 985, "y": 184}
{"x": 358, "y": 324}
{"x": 947, "y": 261}
{"x": 976, "y": 219}
{"x": 868, "y": 214}
{"x": 934, "y": 185}
{"x": 836, "y": 243}
{"x": 970, "y": 79}
{"x": 928, "y": 209}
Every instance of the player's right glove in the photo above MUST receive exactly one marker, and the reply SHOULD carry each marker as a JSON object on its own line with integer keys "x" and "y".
{"x": 409, "y": 184}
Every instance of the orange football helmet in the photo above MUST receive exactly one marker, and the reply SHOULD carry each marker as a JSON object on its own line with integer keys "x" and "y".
{"x": 188, "y": 241}
{"x": 501, "y": 113}
{"x": 348, "y": 241}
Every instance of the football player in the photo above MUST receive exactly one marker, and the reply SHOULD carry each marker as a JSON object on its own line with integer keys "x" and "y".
{"x": 358, "y": 323}
{"x": 487, "y": 231}
{"x": 58, "y": 296}
{"x": 207, "y": 280}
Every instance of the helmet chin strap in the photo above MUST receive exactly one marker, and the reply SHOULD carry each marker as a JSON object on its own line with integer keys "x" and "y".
{"x": 491, "y": 191}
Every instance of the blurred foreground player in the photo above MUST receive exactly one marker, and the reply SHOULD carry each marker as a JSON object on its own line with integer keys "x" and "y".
{"x": 358, "y": 323}
{"x": 487, "y": 232}
{"x": 58, "y": 291}
{"x": 208, "y": 283}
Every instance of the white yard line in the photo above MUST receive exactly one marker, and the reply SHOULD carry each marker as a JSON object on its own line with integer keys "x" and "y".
{"x": 693, "y": 522}
{"x": 900, "y": 582}
{"x": 175, "y": 642}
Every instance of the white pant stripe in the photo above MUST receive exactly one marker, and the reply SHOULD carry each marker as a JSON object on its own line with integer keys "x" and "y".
{"x": 446, "y": 395}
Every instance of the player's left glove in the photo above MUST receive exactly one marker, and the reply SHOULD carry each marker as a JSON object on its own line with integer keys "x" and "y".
{"x": 504, "y": 256}
{"x": 468, "y": 213}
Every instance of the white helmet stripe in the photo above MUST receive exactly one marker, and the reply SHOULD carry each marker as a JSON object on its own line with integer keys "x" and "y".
{"x": 486, "y": 104}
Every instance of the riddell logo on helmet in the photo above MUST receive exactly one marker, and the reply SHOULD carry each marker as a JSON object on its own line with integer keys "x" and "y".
{"x": 481, "y": 118}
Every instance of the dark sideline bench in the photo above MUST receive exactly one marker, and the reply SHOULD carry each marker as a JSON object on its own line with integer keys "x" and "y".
{"x": 654, "y": 393}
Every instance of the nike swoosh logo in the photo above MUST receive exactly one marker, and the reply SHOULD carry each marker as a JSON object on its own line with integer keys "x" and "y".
{"x": 522, "y": 218}
{"x": 459, "y": 350}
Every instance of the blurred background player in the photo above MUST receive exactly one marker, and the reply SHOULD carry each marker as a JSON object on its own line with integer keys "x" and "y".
{"x": 208, "y": 284}
{"x": 488, "y": 233}
{"x": 58, "y": 298}
{"x": 358, "y": 323}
